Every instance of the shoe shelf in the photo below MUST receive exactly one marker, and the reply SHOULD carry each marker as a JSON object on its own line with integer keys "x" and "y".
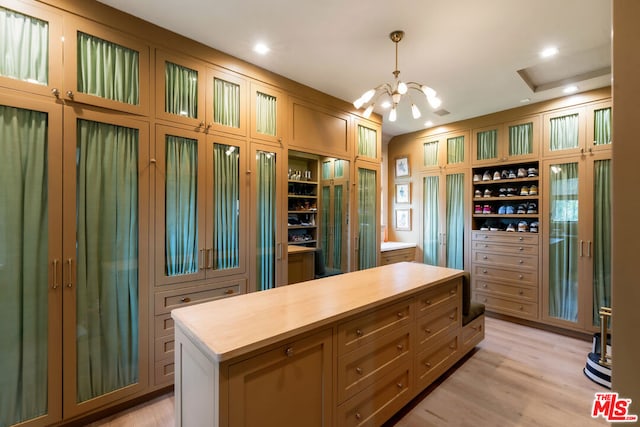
{"x": 504, "y": 199}
{"x": 303, "y": 202}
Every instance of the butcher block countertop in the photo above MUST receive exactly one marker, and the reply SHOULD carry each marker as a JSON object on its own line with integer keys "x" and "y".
{"x": 231, "y": 327}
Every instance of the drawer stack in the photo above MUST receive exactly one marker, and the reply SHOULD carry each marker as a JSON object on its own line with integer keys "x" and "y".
{"x": 374, "y": 365}
{"x": 505, "y": 272}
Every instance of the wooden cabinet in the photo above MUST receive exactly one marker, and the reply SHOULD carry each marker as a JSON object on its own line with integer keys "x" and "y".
{"x": 291, "y": 382}
{"x": 268, "y": 107}
{"x": 358, "y": 369}
{"x": 446, "y": 150}
{"x": 508, "y": 142}
{"x": 368, "y": 141}
{"x": 505, "y": 274}
{"x": 304, "y": 200}
{"x": 397, "y": 255}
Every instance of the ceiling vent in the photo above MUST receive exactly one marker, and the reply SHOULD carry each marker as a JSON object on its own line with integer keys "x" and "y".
{"x": 441, "y": 112}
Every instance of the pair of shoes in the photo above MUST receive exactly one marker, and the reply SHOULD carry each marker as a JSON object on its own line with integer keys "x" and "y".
{"x": 534, "y": 227}
{"x": 531, "y": 172}
{"x": 523, "y": 226}
{"x": 506, "y": 210}
{"x": 511, "y": 227}
{"x": 532, "y": 208}
{"x": 522, "y": 173}
{"x": 533, "y": 190}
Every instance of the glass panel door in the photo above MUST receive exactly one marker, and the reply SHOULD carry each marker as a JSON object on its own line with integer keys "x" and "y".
{"x": 368, "y": 247}
{"x": 266, "y": 222}
{"x": 600, "y": 249}
{"x": 455, "y": 221}
{"x": 431, "y": 241}
{"x": 564, "y": 250}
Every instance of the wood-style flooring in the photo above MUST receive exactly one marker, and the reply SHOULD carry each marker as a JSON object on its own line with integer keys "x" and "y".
{"x": 518, "y": 376}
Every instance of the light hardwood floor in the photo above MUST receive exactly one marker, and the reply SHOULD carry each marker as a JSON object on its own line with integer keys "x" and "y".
{"x": 518, "y": 376}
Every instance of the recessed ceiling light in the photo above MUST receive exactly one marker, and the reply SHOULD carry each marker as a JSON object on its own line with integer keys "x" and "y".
{"x": 428, "y": 123}
{"x": 549, "y": 51}
{"x": 261, "y": 48}
{"x": 570, "y": 89}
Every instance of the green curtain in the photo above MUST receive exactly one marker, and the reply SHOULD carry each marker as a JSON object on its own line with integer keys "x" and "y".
{"x": 602, "y": 126}
{"x": 326, "y": 169}
{"x": 455, "y": 221}
{"x": 455, "y": 150}
{"x": 430, "y": 241}
{"x": 265, "y": 220}
{"x": 564, "y": 132}
{"x": 24, "y": 47}
{"x": 487, "y": 144}
{"x": 180, "y": 90}
{"x": 431, "y": 153}
{"x": 107, "y": 258}
{"x": 226, "y": 197}
{"x": 23, "y": 265}
{"x": 181, "y": 206}
{"x": 601, "y": 238}
{"x": 108, "y": 70}
{"x": 563, "y": 241}
{"x": 521, "y": 139}
{"x": 338, "y": 193}
{"x": 367, "y": 209}
{"x": 367, "y": 141}
{"x": 266, "y": 114}
{"x": 325, "y": 216}
{"x": 226, "y": 103}
{"x": 338, "y": 168}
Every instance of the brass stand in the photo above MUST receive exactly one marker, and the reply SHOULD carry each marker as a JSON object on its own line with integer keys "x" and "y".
{"x": 605, "y": 315}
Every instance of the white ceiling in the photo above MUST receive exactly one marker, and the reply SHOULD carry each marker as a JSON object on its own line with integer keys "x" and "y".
{"x": 469, "y": 51}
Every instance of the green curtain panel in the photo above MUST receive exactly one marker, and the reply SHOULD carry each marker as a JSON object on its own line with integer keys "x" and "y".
{"x": 430, "y": 152}
{"x": 564, "y": 132}
{"x": 180, "y": 90}
{"x": 339, "y": 168}
{"x": 266, "y": 220}
{"x": 24, "y": 47}
{"x": 107, "y": 258}
{"x": 226, "y": 103}
{"x": 108, "y": 70}
{"x": 563, "y": 241}
{"x": 602, "y": 126}
{"x": 487, "y": 144}
{"x": 367, "y": 209}
{"x": 181, "y": 206}
{"x": 431, "y": 220}
{"x": 326, "y": 170}
{"x": 338, "y": 211}
{"x": 325, "y": 220}
{"x": 521, "y": 139}
{"x": 266, "y": 114}
{"x": 23, "y": 265}
{"x": 455, "y": 150}
{"x": 226, "y": 206}
{"x": 601, "y": 238}
{"x": 367, "y": 141}
{"x": 455, "y": 221}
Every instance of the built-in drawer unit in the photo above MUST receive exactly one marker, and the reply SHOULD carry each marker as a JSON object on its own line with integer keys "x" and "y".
{"x": 483, "y": 272}
{"x": 397, "y": 255}
{"x": 501, "y": 248}
{"x": 472, "y": 333}
{"x": 507, "y": 306}
{"x": 436, "y": 323}
{"x": 363, "y": 367}
{"x": 436, "y": 359}
{"x": 368, "y": 327}
{"x": 529, "y": 293}
{"x": 165, "y": 301}
{"x": 505, "y": 237}
{"x": 376, "y": 404}
{"x": 518, "y": 261}
{"x": 446, "y": 294}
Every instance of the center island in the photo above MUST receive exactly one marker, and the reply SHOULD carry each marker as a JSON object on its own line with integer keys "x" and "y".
{"x": 344, "y": 350}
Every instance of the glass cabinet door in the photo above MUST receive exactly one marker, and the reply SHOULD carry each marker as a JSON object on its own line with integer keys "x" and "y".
{"x": 564, "y": 132}
{"x": 368, "y": 142}
{"x": 226, "y": 107}
{"x": 564, "y": 245}
{"x": 486, "y": 148}
{"x": 105, "y": 258}
{"x": 30, "y": 261}
{"x": 368, "y": 225}
{"x": 599, "y": 120}
{"x": 431, "y": 233}
{"x": 267, "y": 113}
{"x": 454, "y": 231}
{"x": 334, "y": 230}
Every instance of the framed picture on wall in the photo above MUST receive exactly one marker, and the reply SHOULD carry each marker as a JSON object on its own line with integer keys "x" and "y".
{"x": 402, "y": 166}
{"x": 403, "y": 219}
{"x": 403, "y": 193}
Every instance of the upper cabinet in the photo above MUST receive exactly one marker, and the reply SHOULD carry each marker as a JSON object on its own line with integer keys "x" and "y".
{"x": 446, "y": 150}
{"x": 508, "y": 142}
{"x": 105, "y": 68}
{"x": 226, "y": 102}
{"x": 581, "y": 130}
{"x": 267, "y": 113}
{"x": 31, "y": 47}
{"x": 368, "y": 141}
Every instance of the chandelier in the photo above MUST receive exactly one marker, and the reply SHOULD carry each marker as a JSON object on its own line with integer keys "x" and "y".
{"x": 395, "y": 91}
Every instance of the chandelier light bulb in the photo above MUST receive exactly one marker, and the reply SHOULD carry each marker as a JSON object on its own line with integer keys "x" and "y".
{"x": 402, "y": 88}
{"x": 428, "y": 92}
{"x": 392, "y": 114}
{"x": 415, "y": 111}
{"x": 358, "y": 103}
{"x": 366, "y": 97}
{"x": 434, "y": 101}
{"x": 368, "y": 111}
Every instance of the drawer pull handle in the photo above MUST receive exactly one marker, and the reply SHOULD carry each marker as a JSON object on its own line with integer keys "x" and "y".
{"x": 521, "y": 308}
{"x": 521, "y": 261}
{"x": 427, "y": 330}
{"x": 452, "y": 346}
{"x": 400, "y": 347}
{"x": 521, "y": 248}
{"x": 452, "y": 316}
{"x": 521, "y": 239}
{"x": 452, "y": 292}
{"x": 485, "y": 257}
{"x": 359, "y": 332}
{"x": 185, "y": 299}
{"x": 400, "y": 315}
{"x": 288, "y": 351}
{"x": 358, "y": 416}
{"x": 428, "y": 302}
{"x": 228, "y": 291}
{"x": 520, "y": 276}
{"x": 484, "y": 271}
{"x": 359, "y": 371}
{"x": 427, "y": 364}
{"x": 521, "y": 292}
{"x": 486, "y": 246}
{"x": 485, "y": 236}
{"x": 400, "y": 385}
{"x": 484, "y": 285}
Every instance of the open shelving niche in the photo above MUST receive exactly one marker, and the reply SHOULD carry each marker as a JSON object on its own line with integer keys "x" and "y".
{"x": 303, "y": 201}
{"x": 490, "y": 210}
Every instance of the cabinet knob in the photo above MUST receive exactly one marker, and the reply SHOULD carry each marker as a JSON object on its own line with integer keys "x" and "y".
{"x": 486, "y": 246}
{"x": 485, "y": 236}
{"x": 521, "y": 249}
{"x": 452, "y": 292}
{"x": 358, "y": 416}
{"x": 520, "y": 238}
{"x": 400, "y": 347}
{"x": 452, "y": 316}
{"x": 427, "y": 364}
{"x": 185, "y": 299}
{"x": 485, "y": 257}
{"x": 427, "y": 330}
{"x": 70, "y": 94}
{"x": 484, "y": 285}
{"x": 452, "y": 346}
{"x": 521, "y": 292}
{"x": 484, "y": 271}
{"x": 521, "y": 308}
{"x": 428, "y": 302}
{"x": 288, "y": 351}
{"x": 520, "y": 277}
{"x": 400, "y": 385}
{"x": 359, "y": 332}
{"x": 228, "y": 291}
{"x": 56, "y": 92}
{"x": 521, "y": 261}
{"x": 400, "y": 315}
{"x": 359, "y": 371}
